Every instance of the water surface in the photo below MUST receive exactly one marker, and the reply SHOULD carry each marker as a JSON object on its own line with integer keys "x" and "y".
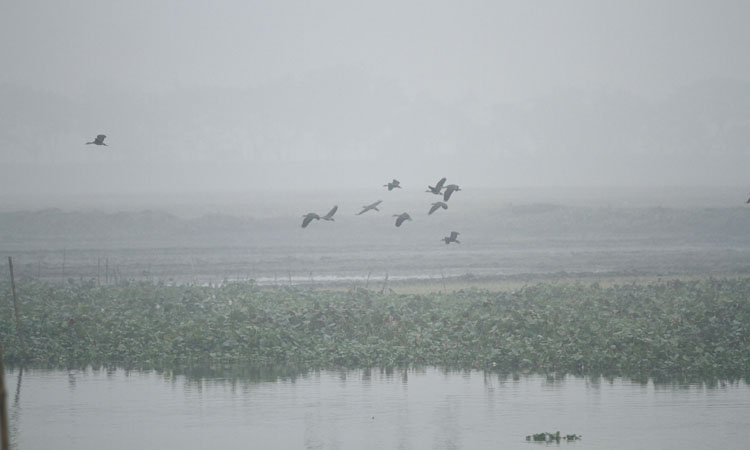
{"x": 425, "y": 408}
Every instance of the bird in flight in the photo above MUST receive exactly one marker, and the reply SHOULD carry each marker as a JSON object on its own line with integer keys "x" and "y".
{"x": 330, "y": 214}
{"x": 449, "y": 190}
{"x": 309, "y": 218}
{"x": 369, "y": 207}
{"x": 452, "y": 238}
{"x": 393, "y": 184}
{"x": 436, "y": 206}
{"x": 437, "y": 188}
{"x": 99, "y": 140}
{"x": 401, "y": 218}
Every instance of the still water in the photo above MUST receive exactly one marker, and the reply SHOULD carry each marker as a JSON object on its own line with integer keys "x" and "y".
{"x": 425, "y": 408}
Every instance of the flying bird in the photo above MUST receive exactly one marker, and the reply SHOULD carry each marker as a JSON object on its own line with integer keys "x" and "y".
{"x": 452, "y": 238}
{"x": 437, "y": 188}
{"x": 99, "y": 140}
{"x": 449, "y": 190}
{"x": 401, "y": 218}
{"x": 330, "y": 214}
{"x": 369, "y": 207}
{"x": 436, "y": 206}
{"x": 393, "y": 184}
{"x": 309, "y": 218}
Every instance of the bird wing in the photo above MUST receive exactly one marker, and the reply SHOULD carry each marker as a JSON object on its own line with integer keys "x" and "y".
{"x": 454, "y": 235}
{"x": 434, "y": 208}
{"x": 448, "y": 192}
{"x": 331, "y": 213}
{"x": 440, "y": 184}
{"x": 400, "y": 220}
{"x": 369, "y": 207}
{"x": 308, "y": 218}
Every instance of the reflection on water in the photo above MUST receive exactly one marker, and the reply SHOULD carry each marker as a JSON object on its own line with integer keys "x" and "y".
{"x": 17, "y": 398}
{"x": 417, "y": 408}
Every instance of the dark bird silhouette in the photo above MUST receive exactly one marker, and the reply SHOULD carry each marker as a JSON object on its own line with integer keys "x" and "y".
{"x": 437, "y": 188}
{"x": 436, "y": 206}
{"x": 99, "y": 140}
{"x": 748, "y": 200}
{"x": 330, "y": 214}
{"x": 401, "y": 218}
{"x": 452, "y": 238}
{"x": 369, "y": 207}
{"x": 393, "y": 184}
{"x": 309, "y": 218}
{"x": 450, "y": 189}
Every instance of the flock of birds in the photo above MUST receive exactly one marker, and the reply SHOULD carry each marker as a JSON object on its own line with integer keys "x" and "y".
{"x": 391, "y": 185}
{"x": 439, "y": 189}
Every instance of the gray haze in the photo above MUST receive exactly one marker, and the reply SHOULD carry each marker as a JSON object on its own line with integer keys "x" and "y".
{"x": 239, "y": 95}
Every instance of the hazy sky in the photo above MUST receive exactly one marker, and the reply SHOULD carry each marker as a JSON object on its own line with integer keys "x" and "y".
{"x": 557, "y": 93}
{"x": 497, "y": 49}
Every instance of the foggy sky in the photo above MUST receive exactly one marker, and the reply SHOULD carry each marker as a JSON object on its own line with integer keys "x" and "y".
{"x": 487, "y": 90}
{"x": 503, "y": 50}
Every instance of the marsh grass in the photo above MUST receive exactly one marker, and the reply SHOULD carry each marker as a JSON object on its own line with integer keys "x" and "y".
{"x": 697, "y": 328}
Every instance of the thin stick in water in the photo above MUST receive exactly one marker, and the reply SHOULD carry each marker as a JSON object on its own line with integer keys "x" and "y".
{"x": 15, "y": 306}
{"x": 4, "y": 430}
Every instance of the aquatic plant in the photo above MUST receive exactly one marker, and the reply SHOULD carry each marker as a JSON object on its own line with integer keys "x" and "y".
{"x": 672, "y": 328}
{"x": 552, "y": 437}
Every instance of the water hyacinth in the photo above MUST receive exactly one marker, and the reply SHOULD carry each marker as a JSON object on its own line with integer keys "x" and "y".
{"x": 552, "y": 437}
{"x": 675, "y": 328}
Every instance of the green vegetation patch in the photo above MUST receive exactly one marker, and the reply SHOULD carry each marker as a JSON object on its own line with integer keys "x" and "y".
{"x": 696, "y": 328}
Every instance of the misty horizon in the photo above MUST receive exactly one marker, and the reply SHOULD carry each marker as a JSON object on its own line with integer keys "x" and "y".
{"x": 695, "y": 138}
